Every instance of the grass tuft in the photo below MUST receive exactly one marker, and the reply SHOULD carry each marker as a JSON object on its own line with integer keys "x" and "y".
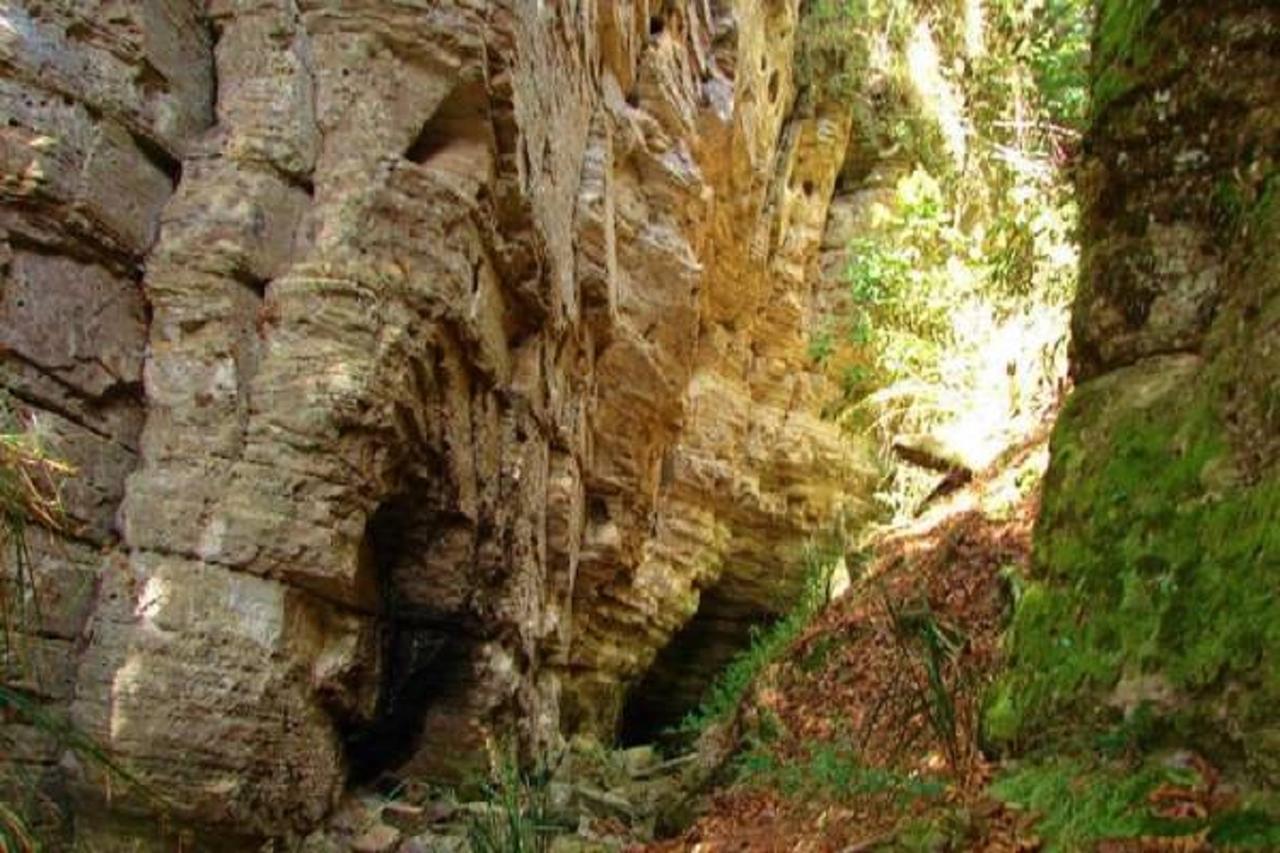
{"x": 517, "y": 819}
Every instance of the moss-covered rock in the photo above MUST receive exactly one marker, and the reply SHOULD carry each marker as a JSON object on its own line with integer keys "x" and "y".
{"x": 1184, "y": 134}
{"x": 1156, "y": 574}
{"x": 1122, "y": 47}
{"x": 1152, "y": 613}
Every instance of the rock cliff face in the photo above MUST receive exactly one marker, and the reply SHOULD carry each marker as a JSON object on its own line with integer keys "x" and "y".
{"x": 426, "y": 366}
{"x": 1161, "y": 517}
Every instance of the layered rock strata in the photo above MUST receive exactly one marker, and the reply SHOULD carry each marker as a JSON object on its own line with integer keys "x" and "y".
{"x": 423, "y": 365}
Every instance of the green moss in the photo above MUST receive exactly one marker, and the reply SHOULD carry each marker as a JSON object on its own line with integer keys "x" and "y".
{"x": 1246, "y": 829}
{"x": 1153, "y": 566}
{"x": 1079, "y": 804}
{"x": 1120, "y": 47}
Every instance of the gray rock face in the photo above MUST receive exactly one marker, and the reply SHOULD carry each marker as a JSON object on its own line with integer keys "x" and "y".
{"x": 422, "y": 363}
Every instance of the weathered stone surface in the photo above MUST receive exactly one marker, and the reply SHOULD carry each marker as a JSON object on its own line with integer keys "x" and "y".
{"x": 469, "y": 338}
{"x": 1162, "y": 498}
{"x": 1178, "y": 143}
{"x": 173, "y": 639}
{"x": 99, "y": 101}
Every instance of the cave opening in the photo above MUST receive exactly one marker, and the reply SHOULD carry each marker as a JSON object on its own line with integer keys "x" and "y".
{"x": 685, "y": 669}
{"x": 421, "y": 657}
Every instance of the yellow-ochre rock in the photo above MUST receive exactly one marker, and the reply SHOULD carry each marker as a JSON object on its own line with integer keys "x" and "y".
{"x": 423, "y": 364}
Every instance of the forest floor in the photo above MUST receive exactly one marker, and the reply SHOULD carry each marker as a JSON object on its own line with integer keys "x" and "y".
{"x": 865, "y": 734}
{"x": 861, "y": 732}
{"x": 866, "y": 728}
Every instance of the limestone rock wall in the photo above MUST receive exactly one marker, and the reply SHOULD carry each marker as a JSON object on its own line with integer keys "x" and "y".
{"x": 423, "y": 364}
{"x": 100, "y": 103}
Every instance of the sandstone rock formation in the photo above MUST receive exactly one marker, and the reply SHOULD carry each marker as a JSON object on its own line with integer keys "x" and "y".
{"x": 425, "y": 364}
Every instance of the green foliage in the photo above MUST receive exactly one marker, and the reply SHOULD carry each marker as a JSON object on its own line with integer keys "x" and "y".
{"x": 970, "y": 227}
{"x": 901, "y": 291}
{"x": 1119, "y": 28}
{"x": 1145, "y": 570}
{"x": 1059, "y": 58}
{"x": 726, "y": 693}
{"x": 851, "y": 52}
{"x": 932, "y": 647}
{"x": 1081, "y": 804}
{"x": 836, "y": 43}
{"x": 831, "y": 771}
{"x": 14, "y": 834}
{"x": 821, "y": 345}
{"x": 1120, "y": 47}
{"x": 831, "y": 52}
{"x": 1246, "y": 829}
{"x": 1229, "y": 204}
{"x": 1044, "y": 48}
{"x": 517, "y": 820}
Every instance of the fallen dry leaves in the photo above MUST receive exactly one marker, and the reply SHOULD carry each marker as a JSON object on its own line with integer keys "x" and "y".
{"x": 853, "y": 679}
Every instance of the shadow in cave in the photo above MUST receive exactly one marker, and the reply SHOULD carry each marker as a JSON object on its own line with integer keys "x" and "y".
{"x": 422, "y": 659}
{"x": 685, "y": 669}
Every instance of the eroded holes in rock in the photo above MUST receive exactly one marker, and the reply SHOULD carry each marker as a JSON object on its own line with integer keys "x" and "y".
{"x": 597, "y": 509}
{"x": 695, "y": 656}
{"x": 656, "y": 25}
{"x": 773, "y": 87}
{"x": 458, "y": 136}
{"x": 426, "y": 143}
{"x": 422, "y": 654}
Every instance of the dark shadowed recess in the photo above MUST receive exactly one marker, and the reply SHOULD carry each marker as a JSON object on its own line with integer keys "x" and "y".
{"x": 685, "y": 668}
{"x": 422, "y": 658}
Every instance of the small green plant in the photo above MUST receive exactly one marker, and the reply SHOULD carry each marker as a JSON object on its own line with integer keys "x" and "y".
{"x": 1080, "y": 803}
{"x": 929, "y": 650}
{"x": 29, "y": 481}
{"x": 14, "y": 835}
{"x": 832, "y": 771}
{"x": 726, "y": 692}
{"x": 517, "y": 818}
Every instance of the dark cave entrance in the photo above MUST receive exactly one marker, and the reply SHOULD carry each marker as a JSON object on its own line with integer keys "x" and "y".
{"x": 419, "y": 664}
{"x": 686, "y": 667}
{"x": 422, "y": 656}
